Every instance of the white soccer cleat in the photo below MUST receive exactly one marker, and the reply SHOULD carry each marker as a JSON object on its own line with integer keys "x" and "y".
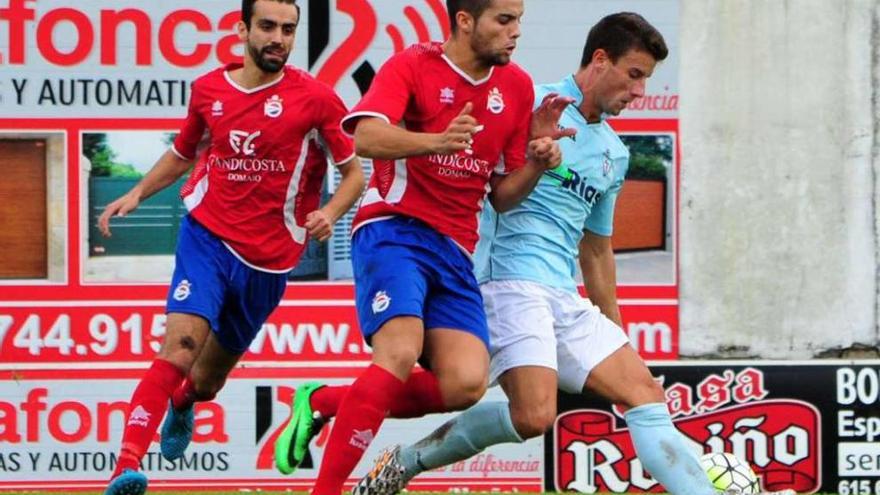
{"x": 386, "y": 477}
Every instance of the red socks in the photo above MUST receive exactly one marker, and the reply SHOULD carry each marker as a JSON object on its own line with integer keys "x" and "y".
{"x": 146, "y": 410}
{"x": 421, "y": 395}
{"x": 326, "y": 399}
{"x": 361, "y": 413}
{"x": 185, "y": 396}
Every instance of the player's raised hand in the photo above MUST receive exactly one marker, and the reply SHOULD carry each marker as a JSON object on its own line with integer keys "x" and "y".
{"x": 459, "y": 134}
{"x": 319, "y": 225}
{"x": 545, "y": 152}
{"x": 545, "y": 118}
{"x": 119, "y": 207}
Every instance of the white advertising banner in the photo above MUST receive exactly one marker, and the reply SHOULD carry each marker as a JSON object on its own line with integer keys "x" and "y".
{"x": 137, "y": 59}
{"x": 65, "y": 433}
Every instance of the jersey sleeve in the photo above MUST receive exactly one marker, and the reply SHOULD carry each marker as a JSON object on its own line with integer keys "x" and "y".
{"x": 514, "y": 156}
{"x": 337, "y": 145}
{"x": 187, "y": 141}
{"x": 388, "y": 96}
{"x": 600, "y": 221}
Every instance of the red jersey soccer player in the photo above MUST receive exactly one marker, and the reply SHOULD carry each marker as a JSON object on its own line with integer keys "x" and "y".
{"x": 465, "y": 113}
{"x": 253, "y": 203}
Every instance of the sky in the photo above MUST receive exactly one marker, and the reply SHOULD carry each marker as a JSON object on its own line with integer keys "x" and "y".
{"x": 141, "y": 149}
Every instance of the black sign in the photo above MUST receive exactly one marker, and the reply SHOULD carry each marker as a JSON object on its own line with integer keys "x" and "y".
{"x": 809, "y": 427}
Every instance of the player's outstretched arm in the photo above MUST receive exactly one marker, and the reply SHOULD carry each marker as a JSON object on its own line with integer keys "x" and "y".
{"x": 319, "y": 223}
{"x": 167, "y": 169}
{"x": 596, "y": 258}
{"x": 376, "y": 138}
{"x": 542, "y": 153}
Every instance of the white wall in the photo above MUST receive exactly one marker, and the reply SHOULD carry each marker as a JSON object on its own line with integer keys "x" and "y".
{"x": 779, "y": 127}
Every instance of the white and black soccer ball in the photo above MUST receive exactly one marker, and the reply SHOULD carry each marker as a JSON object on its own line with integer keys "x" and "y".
{"x": 729, "y": 474}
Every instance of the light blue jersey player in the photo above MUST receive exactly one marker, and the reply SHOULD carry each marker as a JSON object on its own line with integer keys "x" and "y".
{"x": 525, "y": 261}
{"x": 538, "y": 240}
{"x": 543, "y": 334}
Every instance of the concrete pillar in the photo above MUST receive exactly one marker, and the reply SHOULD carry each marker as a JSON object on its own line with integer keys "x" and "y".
{"x": 779, "y": 130}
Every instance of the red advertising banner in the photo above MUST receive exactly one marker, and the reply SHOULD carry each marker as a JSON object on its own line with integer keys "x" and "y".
{"x": 90, "y": 333}
{"x": 62, "y": 432}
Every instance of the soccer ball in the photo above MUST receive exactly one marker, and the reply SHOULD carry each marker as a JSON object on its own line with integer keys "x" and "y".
{"x": 727, "y": 473}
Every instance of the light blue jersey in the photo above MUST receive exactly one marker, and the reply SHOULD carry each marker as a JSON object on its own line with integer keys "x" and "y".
{"x": 538, "y": 240}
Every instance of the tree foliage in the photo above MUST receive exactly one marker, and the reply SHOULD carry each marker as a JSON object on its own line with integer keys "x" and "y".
{"x": 650, "y": 156}
{"x": 104, "y": 159}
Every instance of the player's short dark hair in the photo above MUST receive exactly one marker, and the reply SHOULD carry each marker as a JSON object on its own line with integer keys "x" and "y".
{"x": 473, "y": 7}
{"x": 622, "y": 32}
{"x": 247, "y": 9}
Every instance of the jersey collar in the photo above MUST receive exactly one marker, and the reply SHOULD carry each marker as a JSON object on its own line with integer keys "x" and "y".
{"x": 250, "y": 90}
{"x": 569, "y": 87}
{"x": 465, "y": 75}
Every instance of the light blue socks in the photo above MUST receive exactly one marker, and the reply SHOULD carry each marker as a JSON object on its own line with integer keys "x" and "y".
{"x": 664, "y": 452}
{"x": 463, "y": 436}
{"x": 660, "y": 446}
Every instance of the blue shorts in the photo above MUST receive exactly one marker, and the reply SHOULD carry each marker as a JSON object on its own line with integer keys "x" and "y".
{"x": 402, "y": 267}
{"x": 211, "y": 282}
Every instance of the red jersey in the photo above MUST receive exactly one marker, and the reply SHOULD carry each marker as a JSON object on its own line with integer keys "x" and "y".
{"x": 265, "y": 161}
{"x": 424, "y": 90}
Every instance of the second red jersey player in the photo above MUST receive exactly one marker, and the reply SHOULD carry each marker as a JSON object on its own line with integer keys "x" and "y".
{"x": 425, "y": 90}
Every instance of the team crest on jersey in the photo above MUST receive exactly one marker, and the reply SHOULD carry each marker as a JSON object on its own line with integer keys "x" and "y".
{"x": 447, "y": 95}
{"x": 273, "y": 107}
{"x": 381, "y": 301}
{"x": 495, "y": 102}
{"x": 217, "y": 109}
{"x": 606, "y": 163}
{"x": 183, "y": 290}
{"x": 243, "y": 141}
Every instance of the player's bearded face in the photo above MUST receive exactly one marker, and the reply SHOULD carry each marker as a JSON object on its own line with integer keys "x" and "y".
{"x": 270, "y": 57}
{"x": 487, "y": 53}
{"x": 269, "y": 37}
{"x": 496, "y": 31}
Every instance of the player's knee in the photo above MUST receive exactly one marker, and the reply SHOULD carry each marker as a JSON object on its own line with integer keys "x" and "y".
{"x": 180, "y": 350}
{"x": 464, "y": 391}
{"x": 532, "y": 421}
{"x": 472, "y": 391}
{"x": 398, "y": 360}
